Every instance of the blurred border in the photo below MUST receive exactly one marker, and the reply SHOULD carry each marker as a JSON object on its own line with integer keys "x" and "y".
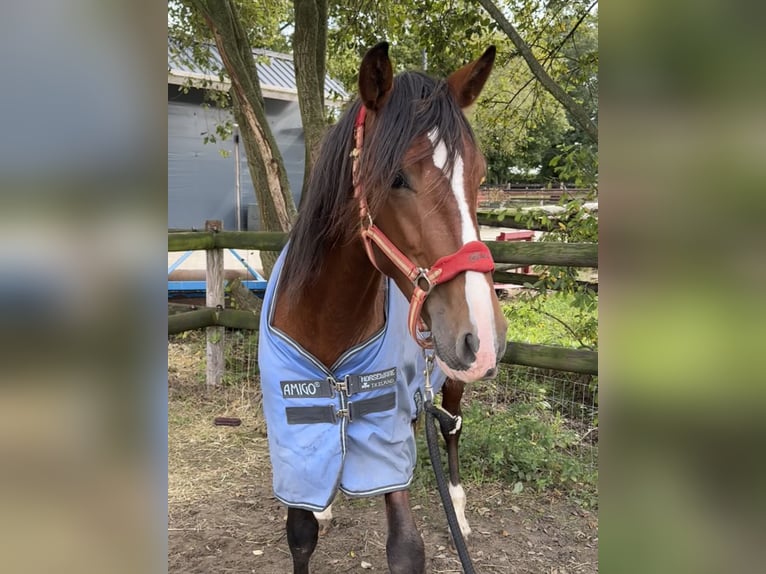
{"x": 682, "y": 145}
{"x": 83, "y": 393}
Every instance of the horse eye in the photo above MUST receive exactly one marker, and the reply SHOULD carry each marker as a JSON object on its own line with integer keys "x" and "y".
{"x": 399, "y": 181}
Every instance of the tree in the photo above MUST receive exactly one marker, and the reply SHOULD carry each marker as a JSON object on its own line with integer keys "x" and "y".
{"x": 437, "y": 36}
{"x": 309, "y": 53}
{"x": 236, "y": 27}
{"x": 520, "y": 125}
{"x": 225, "y": 24}
{"x": 577, "y": 111}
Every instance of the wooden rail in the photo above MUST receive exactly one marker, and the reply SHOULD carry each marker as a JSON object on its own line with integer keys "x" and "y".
{"x": 545, "y": 253}
{"x": 533, "y": 253}
{"x": 541, "y": 356}
{"x": 199, "y": 240}
{"x": 214, "y": 317}
{"x": 202, "y": 317}
{"x": 550, "y": 357}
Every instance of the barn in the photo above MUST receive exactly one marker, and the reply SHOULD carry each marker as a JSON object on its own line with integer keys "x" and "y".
{"x": 203, "y": 179}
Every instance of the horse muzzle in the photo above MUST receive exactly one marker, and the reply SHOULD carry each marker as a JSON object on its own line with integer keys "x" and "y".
{"x": 468, "y": 342}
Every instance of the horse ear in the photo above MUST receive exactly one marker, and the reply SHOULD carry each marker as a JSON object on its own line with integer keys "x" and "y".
{"x": 467, "y": 82}
{"x": 376, "y": 77}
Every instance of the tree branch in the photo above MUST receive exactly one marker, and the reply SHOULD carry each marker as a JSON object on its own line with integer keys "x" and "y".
{"x": 571, "y": 32}
{"x": 567, "y": 327}
{"x": 577, "y": 111}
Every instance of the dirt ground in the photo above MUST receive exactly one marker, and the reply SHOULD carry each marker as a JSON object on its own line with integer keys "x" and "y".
{"x": 223, "y": 517}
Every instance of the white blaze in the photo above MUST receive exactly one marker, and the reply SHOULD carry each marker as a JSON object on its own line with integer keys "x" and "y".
{"x": 478, "y": 293}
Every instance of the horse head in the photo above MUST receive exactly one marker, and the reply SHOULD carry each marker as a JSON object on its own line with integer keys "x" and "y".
{"x": 417, "y": 182}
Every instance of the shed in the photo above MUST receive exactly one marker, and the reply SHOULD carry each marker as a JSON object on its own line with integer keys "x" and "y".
{"x": 202, "y": 177}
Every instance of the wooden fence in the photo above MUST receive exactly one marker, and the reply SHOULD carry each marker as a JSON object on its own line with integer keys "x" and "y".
{"x": 499, "y": 196}
{"x": 215, "y": 317}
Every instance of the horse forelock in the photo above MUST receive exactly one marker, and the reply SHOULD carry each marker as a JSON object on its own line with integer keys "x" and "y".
{"x": 418, "y": 105}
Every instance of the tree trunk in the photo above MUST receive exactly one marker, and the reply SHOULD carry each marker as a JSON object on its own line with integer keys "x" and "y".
{"x": 578, "y": 112}
{"x": 309, "y": 51}
{"x": 241, "y": 297}
{"x": 264, "y": 160}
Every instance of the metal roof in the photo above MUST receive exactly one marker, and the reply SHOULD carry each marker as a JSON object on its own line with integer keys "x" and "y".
{"x": 276, "y": 73}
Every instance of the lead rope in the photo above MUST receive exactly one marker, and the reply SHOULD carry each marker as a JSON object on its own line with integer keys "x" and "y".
{"x": 448, "y": 422}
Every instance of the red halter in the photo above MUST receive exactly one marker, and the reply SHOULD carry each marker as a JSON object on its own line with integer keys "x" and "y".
{"x": 473, "y": 256}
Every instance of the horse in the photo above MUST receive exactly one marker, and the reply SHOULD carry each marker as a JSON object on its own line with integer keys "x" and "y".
{"x": 383, "y": 277}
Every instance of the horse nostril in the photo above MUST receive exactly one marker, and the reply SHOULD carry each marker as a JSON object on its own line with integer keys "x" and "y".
{"x": 490, "y": 374}
{"x": 467, "y": 347}
{"x": 472, "y": 342}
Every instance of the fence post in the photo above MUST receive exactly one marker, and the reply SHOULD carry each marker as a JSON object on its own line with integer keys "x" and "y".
{"x": 214, "y": 297}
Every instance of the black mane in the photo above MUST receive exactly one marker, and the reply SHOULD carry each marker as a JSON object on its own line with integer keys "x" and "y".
{"x": 329, "y": 216}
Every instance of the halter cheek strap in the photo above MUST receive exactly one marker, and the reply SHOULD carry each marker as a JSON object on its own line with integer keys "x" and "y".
{"x": 473, "y": 256}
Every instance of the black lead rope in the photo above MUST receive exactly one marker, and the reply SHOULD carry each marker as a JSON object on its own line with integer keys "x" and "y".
{"x": 447, "y": 423}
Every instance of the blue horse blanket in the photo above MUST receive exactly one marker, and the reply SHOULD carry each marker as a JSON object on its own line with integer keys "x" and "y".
{"x": 348, "y": 427}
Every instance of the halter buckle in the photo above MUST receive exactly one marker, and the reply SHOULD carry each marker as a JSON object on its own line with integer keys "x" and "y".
{"x": 423, "y": 275}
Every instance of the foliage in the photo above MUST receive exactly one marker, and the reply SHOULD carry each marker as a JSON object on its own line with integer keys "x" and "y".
{"x": 526, "y": 442}
{"x": 559, "y": 287}
{"x": 557, "y": 319}
{"x": 576, "y": 311}
{"x": 577, "y": 163}
{"x": 562, "y": 37}
{"x": 519, "y": 125}
{"x": 517, "y": 432}
{"x": 438, "y": 36}
{"x": 191, "y": 43}
{"x": 264, "y": 23}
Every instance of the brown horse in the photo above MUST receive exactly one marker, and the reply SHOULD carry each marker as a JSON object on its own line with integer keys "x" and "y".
{"x": 391, "y": 203}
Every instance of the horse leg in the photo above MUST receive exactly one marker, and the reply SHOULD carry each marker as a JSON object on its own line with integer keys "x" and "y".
{"x": 452, "y": 392}
{"x": 302, "y": 534}
{"x": 404, "y": 547}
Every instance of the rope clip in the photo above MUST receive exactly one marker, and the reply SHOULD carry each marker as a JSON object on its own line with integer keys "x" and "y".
{"x": 428, "y": 355}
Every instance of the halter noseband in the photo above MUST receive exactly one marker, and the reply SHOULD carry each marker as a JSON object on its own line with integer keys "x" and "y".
{"x": 473, "y": 256}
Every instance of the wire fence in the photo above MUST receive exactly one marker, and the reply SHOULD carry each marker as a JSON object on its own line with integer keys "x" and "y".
{"x": 240, "y": 355}
{"x": 572, "y": 396}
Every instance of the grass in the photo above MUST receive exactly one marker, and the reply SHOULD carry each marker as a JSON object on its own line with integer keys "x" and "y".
{"x": 551, "y": 319}
{"x": 202, "y": 456}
